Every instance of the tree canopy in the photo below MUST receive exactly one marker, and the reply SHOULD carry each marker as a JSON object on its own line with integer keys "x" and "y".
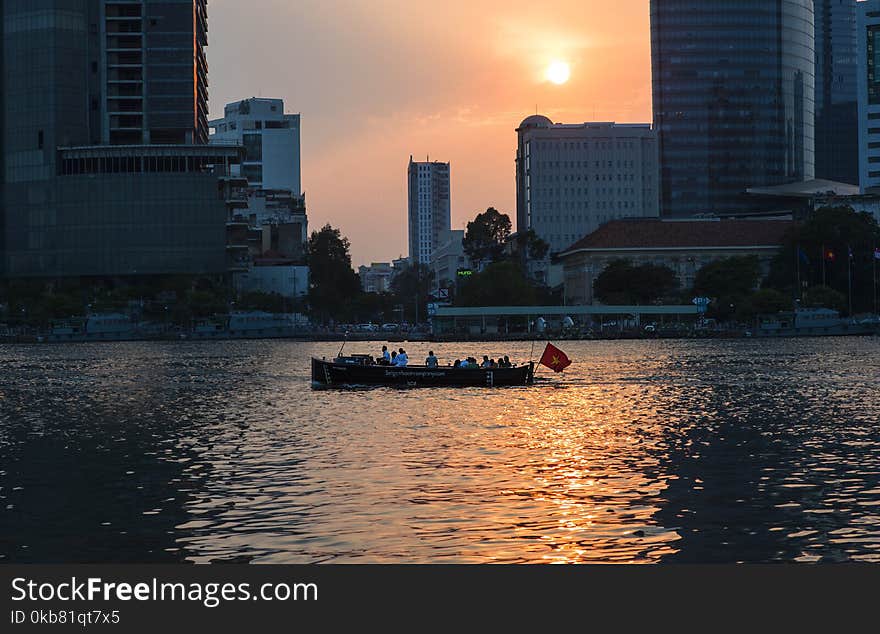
{"x": 501, "y": 283}
{"x": 734, "y": 276}
{"x": 530, "y": 246}
{"x": 411, "y": 289}
{"x": 332, "y": 282}
{"x": 623, "y": 283}
{"x": 486, "y": 235}
{"x": 817, "y": 252}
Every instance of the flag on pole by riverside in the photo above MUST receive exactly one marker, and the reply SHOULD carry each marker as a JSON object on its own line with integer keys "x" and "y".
{"x": 554, "y": 358}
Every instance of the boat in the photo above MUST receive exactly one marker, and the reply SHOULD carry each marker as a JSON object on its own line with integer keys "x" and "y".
{"x": 361, "y": 370}
{"x": 813, "y": 322}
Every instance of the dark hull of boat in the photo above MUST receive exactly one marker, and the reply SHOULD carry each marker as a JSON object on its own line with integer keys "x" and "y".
{"x": 330, "y": 374}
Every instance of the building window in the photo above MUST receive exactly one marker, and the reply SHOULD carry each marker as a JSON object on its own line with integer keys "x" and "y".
{"x": 253, "y": 147}
{"x": 873, "y": 51}
{"x": 253, "y": 173}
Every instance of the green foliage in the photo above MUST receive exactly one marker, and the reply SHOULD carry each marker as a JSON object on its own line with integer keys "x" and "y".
{"x": 411, "y": 289}
{"x": 768, "y": 301}
{"x": 730, "y": 277}
{"x": 745, "y": 308}
{"x": 500, "y": 284}
{"x": 621, "y": 283}
{"x": 266, "y": 302}
{"x": 835, "y": 229}
{"x": 730, "y": 284}
{"x": 485, "y": 236}
{"x": 530, "y": 246}
{"x": 332, "y": 282}
{"x": 375, "y": 308}
{"x": 824, "y": 297}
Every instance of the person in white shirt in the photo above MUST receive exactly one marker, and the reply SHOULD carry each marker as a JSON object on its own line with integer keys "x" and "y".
{"x": 432, "y": 361}
{"x": 386, "y": 356}
{"x": 401, "y": 359}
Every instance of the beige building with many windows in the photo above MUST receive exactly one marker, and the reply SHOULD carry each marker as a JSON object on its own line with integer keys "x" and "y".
{"x": 572, "y": 178}
{"x": 685, "y": 246}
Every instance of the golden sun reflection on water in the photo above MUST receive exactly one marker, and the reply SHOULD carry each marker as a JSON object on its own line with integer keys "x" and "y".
{"x": 642, "y": 452}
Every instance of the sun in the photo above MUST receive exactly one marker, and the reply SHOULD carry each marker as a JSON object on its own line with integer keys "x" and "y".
{"x": 558, "y": 72}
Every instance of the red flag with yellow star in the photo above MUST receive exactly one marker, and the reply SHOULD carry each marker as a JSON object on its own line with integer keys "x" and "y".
{"x": 554, "y": 358}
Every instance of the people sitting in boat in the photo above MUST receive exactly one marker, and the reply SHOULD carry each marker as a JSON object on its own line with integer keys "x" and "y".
{"x": 500, "y": 363}
{"x": 385, "y": 359}
{"x": 401, "y": 360}
{"x": 507, "y": 363}
{"x": 487, "y": 362}
{"x": 463, "y": 364}
{"x": 457, "y": 363}
{"x": 431, "y": 361}
{"x": 393, "y": 360}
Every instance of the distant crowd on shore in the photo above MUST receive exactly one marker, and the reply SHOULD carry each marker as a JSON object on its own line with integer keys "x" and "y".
{"x": 399, "y": 358}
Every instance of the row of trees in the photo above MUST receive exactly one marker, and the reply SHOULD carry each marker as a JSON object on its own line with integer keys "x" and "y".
{"x": 498, "y": 261}
{"x": 176, "y": 300}
{"x": 335, "y": 293}
{"x": 814, "y": 267}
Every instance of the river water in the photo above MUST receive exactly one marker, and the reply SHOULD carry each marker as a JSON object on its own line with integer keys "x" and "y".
{"x": 644, "y": 451}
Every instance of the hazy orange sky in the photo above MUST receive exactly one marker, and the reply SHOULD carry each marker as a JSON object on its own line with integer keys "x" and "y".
{"x": 378, "y": 80}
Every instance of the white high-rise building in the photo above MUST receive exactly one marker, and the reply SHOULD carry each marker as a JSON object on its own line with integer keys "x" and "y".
{"x": 429, "y": 208}
{"x": 868, "y": 32}
{"x": 271, "y": 140}
{"x": 571, "y": 179}
{"x": 274, "y": 213}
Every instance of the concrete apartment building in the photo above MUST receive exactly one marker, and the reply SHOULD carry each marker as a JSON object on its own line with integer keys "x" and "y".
{"x": 572, "y": 178}
{"x": 429, "y": 211}
{"x": 377, "y": 277}
{"x": 448, "y": 258}
{"x": 276, "y": 207}
{"x": 271, "y": 140}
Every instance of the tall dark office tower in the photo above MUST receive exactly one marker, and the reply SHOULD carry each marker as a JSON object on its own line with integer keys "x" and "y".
{"x": 104, "y": 162}
{"x": 733, "y": 99}
{"x": 837, "y": 109}
{"x": 155, "y": 70}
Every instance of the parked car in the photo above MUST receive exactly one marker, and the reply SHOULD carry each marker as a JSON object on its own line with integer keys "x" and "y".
{"x": 389, "y": 327}
{"x": 367, "y": 327}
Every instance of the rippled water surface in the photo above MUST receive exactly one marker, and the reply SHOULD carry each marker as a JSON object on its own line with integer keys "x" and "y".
{"x": 657, "y": 451}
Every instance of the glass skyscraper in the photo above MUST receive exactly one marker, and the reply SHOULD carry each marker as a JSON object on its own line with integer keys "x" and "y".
{"x": 104, "y": 164}
{"x": 733, "y": 92}
{"x": 837, "y": 110}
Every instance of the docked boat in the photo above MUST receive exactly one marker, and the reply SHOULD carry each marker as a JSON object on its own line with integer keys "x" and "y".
{"x": 362, "y": 370}
{"x": 814, "y": 322}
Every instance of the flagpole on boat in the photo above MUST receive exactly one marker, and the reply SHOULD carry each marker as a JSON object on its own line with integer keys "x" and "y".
{"x": 874, "y": 272}
{"x": 849, "y": 260}
{"x": 344, "y": 340}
